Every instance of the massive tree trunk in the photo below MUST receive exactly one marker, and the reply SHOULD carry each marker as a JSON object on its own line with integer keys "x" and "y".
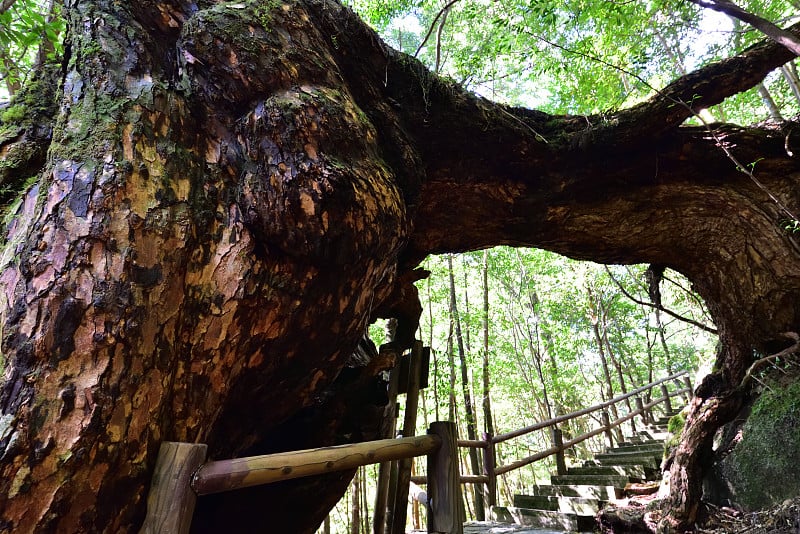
{"x": 234, "y": 190}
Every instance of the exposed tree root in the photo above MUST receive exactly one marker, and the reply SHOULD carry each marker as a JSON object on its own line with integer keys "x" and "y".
{"x": 638, "y": 517}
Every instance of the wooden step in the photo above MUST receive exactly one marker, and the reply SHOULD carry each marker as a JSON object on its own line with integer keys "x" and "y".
{"x": 656, "y": 447}
{"x": 602, "y": 493}
{"x": 543, "y": 519}
{"x": 618, "y": 481}
{"x": 570, "y": 505}
{"x": 632, "y": 471}
{"x": 633, "y": 456}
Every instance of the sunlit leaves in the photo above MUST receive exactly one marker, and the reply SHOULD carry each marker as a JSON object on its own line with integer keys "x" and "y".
{"x": 30, "y": 31}
{"x": 581, "y": 56}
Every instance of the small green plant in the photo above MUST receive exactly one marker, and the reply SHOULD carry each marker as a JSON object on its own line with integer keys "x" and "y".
{"x": 13, "y": 114}
{"x": 791, "y": 226}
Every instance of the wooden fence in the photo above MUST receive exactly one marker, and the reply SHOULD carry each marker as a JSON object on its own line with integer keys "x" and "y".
{"x": 182, "y": 472}
{"x": 643, "y": 409}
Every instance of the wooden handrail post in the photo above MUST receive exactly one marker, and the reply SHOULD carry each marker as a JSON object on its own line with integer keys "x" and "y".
{"x": 640, "y": 408}
{"x": 488, "y": 470}
{"x": 558, "y": 442}
{"x": 607, "y": 426}
{"x": 171, "y": 501}
{"x": 667, "y": 401}
{"x": 688, "y": 382}
{"x": 444, "y": 490}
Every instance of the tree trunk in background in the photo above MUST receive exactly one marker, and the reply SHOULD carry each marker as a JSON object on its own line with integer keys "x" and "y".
{"x": 769, "y": 103}
{"x": 790, "y": 75}
{"x": 486, "y": 402}
{"x": 607, "y": 385}
{"x": 355, "y": 504}
{"x": 233, "y": 191}
{"x": 469, "y": 411}
{"x": 451, "y": 363}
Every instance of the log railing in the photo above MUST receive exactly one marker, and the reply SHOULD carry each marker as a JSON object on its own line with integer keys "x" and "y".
{"x": 489, "y": 443}
{"x": 182, "y": 474}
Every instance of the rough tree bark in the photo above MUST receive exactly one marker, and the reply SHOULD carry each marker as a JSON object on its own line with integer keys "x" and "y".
{"x": 234, "y": 190}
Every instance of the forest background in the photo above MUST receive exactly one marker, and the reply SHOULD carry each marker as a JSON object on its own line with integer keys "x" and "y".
{"x": 522, "y": 335}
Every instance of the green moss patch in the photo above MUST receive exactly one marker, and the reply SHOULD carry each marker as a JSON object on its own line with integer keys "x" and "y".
{"x": 763, "y": 468}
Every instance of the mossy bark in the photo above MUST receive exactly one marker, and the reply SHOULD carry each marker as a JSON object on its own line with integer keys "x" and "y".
{"x": 234, "y": 190}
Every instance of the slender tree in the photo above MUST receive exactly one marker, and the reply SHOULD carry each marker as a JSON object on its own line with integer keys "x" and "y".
{"x": 469, "y": 410}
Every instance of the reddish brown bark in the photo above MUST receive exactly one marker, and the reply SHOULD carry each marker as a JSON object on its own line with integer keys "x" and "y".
{"x": 235, "y": 190}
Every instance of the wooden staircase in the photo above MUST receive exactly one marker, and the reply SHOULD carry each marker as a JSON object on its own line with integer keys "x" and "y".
{"x": 572, "y": 500}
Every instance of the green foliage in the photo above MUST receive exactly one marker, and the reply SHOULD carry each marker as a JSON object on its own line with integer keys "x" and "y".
{"x": 12, "y": 114}
{"x": 30, "y": 31}
{"x": 544, "y": 359}
{"x": 791, "y": 226}
{"x": 577, "y": 56}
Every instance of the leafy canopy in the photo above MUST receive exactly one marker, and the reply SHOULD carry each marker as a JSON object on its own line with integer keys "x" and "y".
{"x": 577, "y": 56}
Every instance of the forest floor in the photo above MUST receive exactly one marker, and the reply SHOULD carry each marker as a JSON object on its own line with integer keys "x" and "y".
{"x": 783, "y": 518}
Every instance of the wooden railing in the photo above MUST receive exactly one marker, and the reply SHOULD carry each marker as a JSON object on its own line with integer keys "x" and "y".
{"x": 559, "y": 446}
{"x": 182, "y": 472}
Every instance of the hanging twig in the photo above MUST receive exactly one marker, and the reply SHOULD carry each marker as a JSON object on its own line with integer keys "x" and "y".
{"x": 661, "y": 308}
{"x": 766, "y": 359}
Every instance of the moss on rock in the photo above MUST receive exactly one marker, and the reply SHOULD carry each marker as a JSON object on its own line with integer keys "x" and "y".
{"x": 762, "y": 469}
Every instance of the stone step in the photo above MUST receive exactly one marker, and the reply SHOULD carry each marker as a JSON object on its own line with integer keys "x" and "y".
{"x": 656, "y": 455}
{"x": 570, "y": 505}
{"x": 654, "y": 447}
{"x": 648, "y": 462}
{"x": 543, "y": 519}
{"x": 647, "y": 436}
{"x": 585, "y": 491}
{"x": 617, "y": 481}
{"x": 628, "y": 443}
{"x": 632, "y": 471}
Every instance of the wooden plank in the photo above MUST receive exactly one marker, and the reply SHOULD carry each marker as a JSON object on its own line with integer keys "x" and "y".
{"x": 425, "y": 368}
{"x": 171, "y": 501}
{"x": 444, "y": 491}
{"x": 225, "y": 475}
{"x": 422, "y": 376}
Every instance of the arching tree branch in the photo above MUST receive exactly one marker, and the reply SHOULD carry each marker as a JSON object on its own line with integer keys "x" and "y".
{"x": 774, "y": 32}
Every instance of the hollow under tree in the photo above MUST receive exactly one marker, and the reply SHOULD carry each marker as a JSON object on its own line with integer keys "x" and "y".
{"x": 231, "y": 192}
